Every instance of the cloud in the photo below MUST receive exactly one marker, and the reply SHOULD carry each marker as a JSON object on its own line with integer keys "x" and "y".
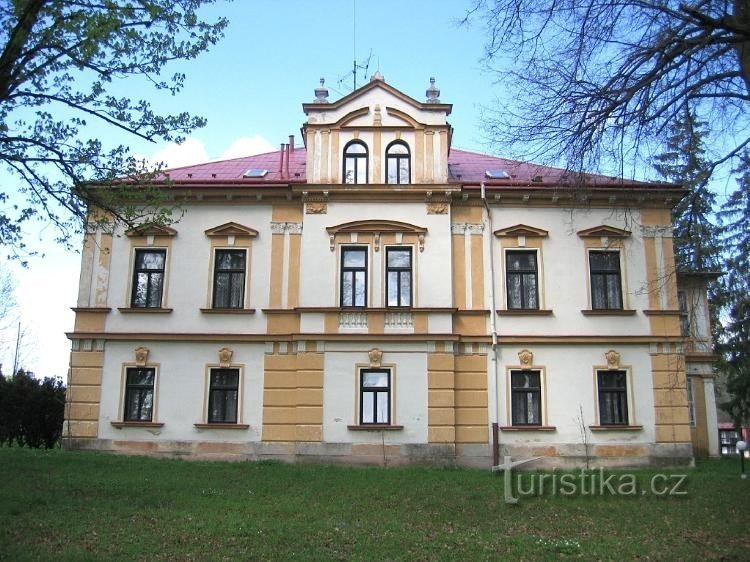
{"x": 247, "y": 146}
{"x": 191, "y": 151}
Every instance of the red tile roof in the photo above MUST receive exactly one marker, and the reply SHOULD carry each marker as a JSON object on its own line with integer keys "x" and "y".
{"x": 465, "y": 168}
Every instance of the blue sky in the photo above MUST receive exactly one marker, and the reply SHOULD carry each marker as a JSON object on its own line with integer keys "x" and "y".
{"x": 250, "y": 87}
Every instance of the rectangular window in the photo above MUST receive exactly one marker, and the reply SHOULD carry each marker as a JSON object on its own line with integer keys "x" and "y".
{"x": 606, "y": 282}
{"x": 223, "y": 395}
{"x": 139, "y": 394}
{"x": 684, "y": 317}
{"x": 521, "y": 279}
{"x": 229, "y": 278}
{"x": 691, "y": 401}
{"x": 526, "y": 397}
{"x": 148, "y": 278}
{"x": 354, "y": 276}
{"x": 398, "y": 277}
{"x": 613, "y": 397}
{"x": 375, "y": 396}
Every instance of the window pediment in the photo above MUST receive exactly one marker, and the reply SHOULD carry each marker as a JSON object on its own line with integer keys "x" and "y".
{"x": 351, "y": 116}
{"x": 604, "y": 231}
{"x": 521, "y": 230}
{"x": 151, "y": 229}
{"x": 231, "y": 229}
{"x": 377, "y": 228}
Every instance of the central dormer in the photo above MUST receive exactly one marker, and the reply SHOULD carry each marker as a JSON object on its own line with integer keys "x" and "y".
{"x": 377, "y": 135}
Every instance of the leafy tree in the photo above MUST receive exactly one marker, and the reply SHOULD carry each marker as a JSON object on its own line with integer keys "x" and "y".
{"x": 63, "y": 66}
{"x": 735, "y": 215}
{"x": 594, "y": 79}
{"x": 31, "y": 410}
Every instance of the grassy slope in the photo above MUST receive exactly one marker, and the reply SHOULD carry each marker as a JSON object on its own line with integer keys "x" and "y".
{"x": 78, "y": 506}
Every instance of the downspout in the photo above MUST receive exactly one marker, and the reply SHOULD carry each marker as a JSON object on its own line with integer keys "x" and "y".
{"x": 493, "y": 330}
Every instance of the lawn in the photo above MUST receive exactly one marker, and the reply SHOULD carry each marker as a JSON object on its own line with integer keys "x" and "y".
{"x": 88, "y": 506}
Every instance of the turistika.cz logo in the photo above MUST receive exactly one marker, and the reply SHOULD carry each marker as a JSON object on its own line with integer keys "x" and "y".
{"x": 595, "y": 482}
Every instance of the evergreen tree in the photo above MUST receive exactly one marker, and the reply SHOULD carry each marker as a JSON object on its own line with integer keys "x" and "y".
{"x": 735, "y": 347}
{"x": 697, "y": 240}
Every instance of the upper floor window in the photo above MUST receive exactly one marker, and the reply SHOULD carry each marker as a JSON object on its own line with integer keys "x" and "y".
{"x": 606, "y": 281}
{"x": 521, "y": 279}
{"x": 356, "y": 162}
{"x": 398, "y": 163}
{"x": 398, "y": 280}
{"x": 684, "y": 315}
{"x": 354, "y": 276}
{"x": 148, "y": 278}
{"x": 229, "y": 278}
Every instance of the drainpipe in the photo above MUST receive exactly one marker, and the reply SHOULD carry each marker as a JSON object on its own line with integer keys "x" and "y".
{"x": 493, "y": 330}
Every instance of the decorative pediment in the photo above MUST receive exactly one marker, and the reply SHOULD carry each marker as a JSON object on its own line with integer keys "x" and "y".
{"x": 604, "y": 231}
{"x": 405, "y": 117}
{"x": 351, "y": 116}
{"x": 151, "y": 229}
{"x": 521, "y": 230}
{"x": 377, "y": 228}
{"x": 231, "y": 229}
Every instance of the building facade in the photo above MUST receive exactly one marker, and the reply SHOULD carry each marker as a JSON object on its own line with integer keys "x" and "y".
{"x": 377, "y": 296}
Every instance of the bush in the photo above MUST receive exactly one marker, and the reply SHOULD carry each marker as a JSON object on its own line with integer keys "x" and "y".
{"x": 31, "y": 411}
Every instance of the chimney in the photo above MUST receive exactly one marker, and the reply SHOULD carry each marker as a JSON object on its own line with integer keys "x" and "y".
{"x": 291, "y": 143}
{"x": 281, "y": 162}
{"x": 286, "y": 164}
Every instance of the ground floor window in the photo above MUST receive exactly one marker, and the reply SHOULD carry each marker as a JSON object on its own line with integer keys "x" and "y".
{"x": 223, "y": 395}
{"x": 139, "y": 394}
{"x": 613, "y": 397}
{"x": 526, "y": 397}
{"x": 375, "y": 396}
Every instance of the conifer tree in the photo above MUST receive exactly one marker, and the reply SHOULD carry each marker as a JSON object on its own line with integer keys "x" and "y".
{"x": 735, "y": 345}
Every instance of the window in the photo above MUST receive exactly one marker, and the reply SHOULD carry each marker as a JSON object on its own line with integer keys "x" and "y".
{"x": 223, "y": 395}
{"x": 398, "y": 276}
{"x": 229, "y": 279}
{"x": 606, "y": 287}
{"x": 355, "y": 162}
{"x": 728, "y": 441}
{"x": 684, "y": 317}
{"x": 398, "y": 163}
{"x": 139, "y": 394}
{"x": 375, "y": 396}
{"x": 521, "y": 279}
{"x": 613, "y": 397}
{"x": 354, "y": 276}
{"x": 526, "y": 397}
{"x": 691, "y": 401}
{"x": 148, "y": 278}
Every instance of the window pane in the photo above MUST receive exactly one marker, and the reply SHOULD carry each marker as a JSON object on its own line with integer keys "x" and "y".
{"x": 360, "y": 296}
{"x": 514, "y": 291}
{"x": 149, "y": 260}
{"x": 393, "y": 288}
{"x": 368, "y": 407}
{"x": 392, "y": 170}
{"x": 237, "y": 290}
{"x": 520, "y": 261}
{"x": 362, "y": 170}
{"x": 356, "y": 148}
{"x": 405, "y": 288}
{"x": 154, "y": 294}
{"x": 398, "y": 148}
{"x": 347, "y": 289}
{"x": 598, "y": 292}
{"x": 605, "y": 261}
{"x": 375, "y": 379}
{"x": 140, "y": 291}
{"x": 399, "y": 258}
{"x": 354, "y": 258}
{"x": 349, "y": 170}
{"x": 230, "y": 259}
{"x": 140, "y": 377}
{"x": 382, "y": 407}
{"x": 529, "y": 290}
{"x": 614, "y": 299}
{"x": 404, "y": 170}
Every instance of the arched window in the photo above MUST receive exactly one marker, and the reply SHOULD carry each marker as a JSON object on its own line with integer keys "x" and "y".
{"x": 355, "y": 162}
{"x": 398, "y": 163}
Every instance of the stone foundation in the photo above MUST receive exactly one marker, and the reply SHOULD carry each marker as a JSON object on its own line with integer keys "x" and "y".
{"x": 466, "y": 455}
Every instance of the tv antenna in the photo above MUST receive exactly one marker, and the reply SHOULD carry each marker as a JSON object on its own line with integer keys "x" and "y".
{"x": 356, "y": 67}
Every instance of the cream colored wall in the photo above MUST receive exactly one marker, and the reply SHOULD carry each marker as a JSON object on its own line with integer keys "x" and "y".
{"x": 181, "y": 391}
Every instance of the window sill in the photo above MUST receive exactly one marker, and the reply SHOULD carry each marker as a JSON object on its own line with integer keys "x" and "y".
{"x": 524, "y": 312}
{"x": 228, "y": 310}
{"x": 528, "y": 428}
{"x": 374, "y": 427}
{"x": 615, "y": 427}
{"x": 121, "y": 424}
{"x": 99, "y": 309}
{"x": 221, "y": 425}
{"x": 145, "y": 310}
{"x": 608, "y": 312}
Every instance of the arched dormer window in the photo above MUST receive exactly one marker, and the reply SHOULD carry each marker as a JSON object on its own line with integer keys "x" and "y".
{"x": 356, "y": 161}
{"x": 398, "y": 163}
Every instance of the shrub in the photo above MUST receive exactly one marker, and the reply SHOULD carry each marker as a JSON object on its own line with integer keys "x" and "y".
{"x": 31, "y": 411}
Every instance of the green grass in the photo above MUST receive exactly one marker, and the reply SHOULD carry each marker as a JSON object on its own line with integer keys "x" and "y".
{"x": 87, "y": 506}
